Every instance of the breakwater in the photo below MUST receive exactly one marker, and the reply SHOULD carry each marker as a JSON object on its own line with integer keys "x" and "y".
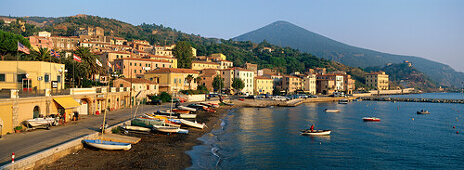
{"x": 400, "y": 99}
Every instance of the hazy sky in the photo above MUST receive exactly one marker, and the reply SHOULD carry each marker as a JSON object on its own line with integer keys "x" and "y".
{"x": 433, "y": 29}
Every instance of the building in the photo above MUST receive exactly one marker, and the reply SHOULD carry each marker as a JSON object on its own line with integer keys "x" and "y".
{"x": 350, "y": 84}
{"x": 338, "y": 78}
{"x": 43, "y": 40}
{"x": 207, "y": 77}
{"x": 111, "y": 56}
{"x": 252, "y": 67}
{"x": 138, "y": 85}
{"x": 291, "y": 83}
{"x": 31, "y": 75}
{"x": 263, "y": 85}
{"x": 309, "y": 83}
{"x": 247, "y": 76}
{"x": 173, "y": 79}
{"x": 173, "y": 60}
{"x": 225, "y": 64}
{"x": 325, "y": 86}
{"x": 200, "y": 65}
{"x": 65, "y": 43}
{"x": 218, "y": 56}
{"x": 136, "y": 67}
{"x": 377, "y": 80}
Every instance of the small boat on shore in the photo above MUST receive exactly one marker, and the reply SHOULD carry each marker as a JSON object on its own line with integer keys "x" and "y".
{"x": 107, "y": 145}
{"x": 315, "y": 132}
{"x": 180, "y": 111}
{"x": 146, "y": 122}
{"x": 332, "y": 110}
{"x": 193, "y": 124}
{"x": 136, "y": 128}
{"x": 41, "y": 122}
{"x": 423, "y": 112}
{"x": 343, "y": 101}
{"x": 188, "y": 116}
{"x": 228, "y": 104}
{"x": 187, "y": 108}
{"x": 166, "y": 129}
{"x": 371, "y": 119}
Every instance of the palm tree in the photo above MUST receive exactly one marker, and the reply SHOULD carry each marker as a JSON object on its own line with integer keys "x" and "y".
{"x": 90, "y": 67}
{"x": 189, "y": 79}
{"x": 42, "y": 55}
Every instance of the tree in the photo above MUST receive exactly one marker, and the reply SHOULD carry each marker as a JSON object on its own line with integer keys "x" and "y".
{"x": 88, "y": 62}
{"x": 183, "y": 53}
{"x": 218, "y": 83}
{"x": 42, "y": 55}
{"x": 189, "y": 79}
{"x": 238, "y": 84}
{"x": 9, "y": 43}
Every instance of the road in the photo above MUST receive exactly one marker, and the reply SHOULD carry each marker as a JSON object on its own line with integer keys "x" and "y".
{"x": 28, "y": 143}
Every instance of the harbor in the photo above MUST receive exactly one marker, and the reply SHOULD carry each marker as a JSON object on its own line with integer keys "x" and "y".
{"x": 401, "y": 99}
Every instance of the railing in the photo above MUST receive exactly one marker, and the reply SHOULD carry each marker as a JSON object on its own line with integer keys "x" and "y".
{"x": 31, "y": 93}
{"x": 60, "y": 92}
{"x": 5, "y": 93}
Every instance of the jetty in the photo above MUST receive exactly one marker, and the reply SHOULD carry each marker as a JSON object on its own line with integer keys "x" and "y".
{"x": 400, "y": 99}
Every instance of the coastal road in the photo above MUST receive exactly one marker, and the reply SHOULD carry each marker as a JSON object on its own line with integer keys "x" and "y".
{"x": 28, "y": 143}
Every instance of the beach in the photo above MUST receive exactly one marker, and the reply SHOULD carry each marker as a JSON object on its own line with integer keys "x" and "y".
{"x": 154, "y": 151}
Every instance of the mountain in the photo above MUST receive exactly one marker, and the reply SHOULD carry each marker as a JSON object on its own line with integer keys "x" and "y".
{"x": 286, "y": 34}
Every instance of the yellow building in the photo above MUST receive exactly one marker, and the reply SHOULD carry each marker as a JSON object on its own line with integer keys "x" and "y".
{"x": 263, "y": 85}
{"x": 377, "y": 80}
{"x": 218, "y": 56}
{"x": 173, "y": 79}
{"x": 291, "y": 84}
{"x": 31, "y": 75}
{"x": 200, "y": 65}
{"x": 171, "y": 59}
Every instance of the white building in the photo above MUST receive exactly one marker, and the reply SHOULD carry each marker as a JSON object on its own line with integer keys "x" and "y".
{"x": 309, "y": 83}
{"x": 247, "y": 76}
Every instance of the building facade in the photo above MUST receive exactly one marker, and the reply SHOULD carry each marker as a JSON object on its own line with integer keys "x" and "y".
{"x": 377, "y": 80}
{"x": 263, "y": 85}
{"x": 136, "y": 67}
{"x": 173, "y": 79}
{"x": 291, "y": 83}
{"x": 31, "y": 75}
{"x": 309, "y": 83}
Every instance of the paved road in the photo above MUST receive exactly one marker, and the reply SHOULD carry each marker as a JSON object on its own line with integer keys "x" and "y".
{"x": 25, "y": 144}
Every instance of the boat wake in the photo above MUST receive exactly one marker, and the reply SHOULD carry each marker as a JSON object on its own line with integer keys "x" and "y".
{"x": 215, "y": 152}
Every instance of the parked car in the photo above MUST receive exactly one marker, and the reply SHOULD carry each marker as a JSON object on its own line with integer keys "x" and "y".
{"x": 155, "y": 102}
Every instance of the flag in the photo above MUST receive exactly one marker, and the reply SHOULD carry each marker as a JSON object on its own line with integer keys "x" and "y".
{"x": 117, "y": 65}
{"x": 23, "y": 48}
{"x": 109, "y": 64}
{"x": 98, "y": 63}
{"x": 77, "y": 58}
{"x": 54, "y": 53}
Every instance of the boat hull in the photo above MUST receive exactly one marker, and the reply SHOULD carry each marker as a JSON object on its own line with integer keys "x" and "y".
{"x": 187, "y": 108}
{"x": 332, "y": 111}
{"x": 193, "y": 124}
{"x": 316, "y": 132}
{"x": 371, "y": 119}
{"x": 188, "y": 116}
{"x": 136, "y": 128}
{"x": 167, "y": 129}
{"x": 108, "y": 145}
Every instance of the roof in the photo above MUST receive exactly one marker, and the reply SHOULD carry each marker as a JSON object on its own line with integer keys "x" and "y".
{"x": 144, "y": 59}
{"x": 205, "y": 62}
{"x": 239, "y": 69}
{"x": 138, "y": 80}
{"x": 158, "y": 56}
{"x": 262, "y": 77}
{"x": 208, "y": 74}
{"x": 174, "y": 70}
{"x": 66, "y": 102}
{"x": 119, "y": 52}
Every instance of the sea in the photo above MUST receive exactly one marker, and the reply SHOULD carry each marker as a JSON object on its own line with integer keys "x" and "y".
{"x": 269, "y": 138}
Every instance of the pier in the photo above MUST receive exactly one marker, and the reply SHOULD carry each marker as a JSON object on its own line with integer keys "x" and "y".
{"x": 398, "y": 99}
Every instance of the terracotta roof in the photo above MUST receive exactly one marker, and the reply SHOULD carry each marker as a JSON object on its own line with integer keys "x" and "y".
{"x": 174, "y": 70}
{"x": 158, "y": 56}
{"x": 377, "y": 73}
{"x": 138, "y": 80}
{"x": 144, "y": 59}
{"x": 208, "y": 74}
{"x": 205, "y": 62}
{"x": 119, "y": 52}
{"x": 262, "y": 77}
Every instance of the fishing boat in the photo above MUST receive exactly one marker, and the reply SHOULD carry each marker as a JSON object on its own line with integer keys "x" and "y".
{"x": 166, "y": 129}
{"x": 167, "y": 121}
{"x": 188, "y": 116}
{"x": 193, "y": 124}
{"x": 107, "y": 145}
{"x": 214, "y": 105}
{"x": 180, "y": 111}
{"x": 41, "y": 122}
{"x": 205, "y": 104}
{"x": 183, "y": 131}
{"x": 198, "y": 106}
{"x": 315, "y": 132}
{"x": 332, "y": 110}
{"x": 187, "y": 108}
{"x": 371, "y": 119}
{"x": 343, "y": 101}
{"x": 145, "y": 122}
{"x": 165, "y": 113}
{"x": 136, "y": 128}
{"x": 423, "y": 112}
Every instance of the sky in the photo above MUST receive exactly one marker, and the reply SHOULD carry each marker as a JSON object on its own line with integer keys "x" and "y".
{"x": 432, "y": 29}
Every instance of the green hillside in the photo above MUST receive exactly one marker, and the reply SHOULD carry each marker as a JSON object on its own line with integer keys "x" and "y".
{"x": 288, "y": 35}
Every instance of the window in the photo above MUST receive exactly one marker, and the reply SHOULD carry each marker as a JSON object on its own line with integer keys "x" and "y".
{"x": 58, "y": 78}
{"x": 135, "y": 71}
{"x": 46, "y": 78}
{"x": 130, "y": 64}
{"x": 121, "y": 85}
{"x": 175, "y": 80}
{"x": 140, "y": 64}
{"x": 21, "y": 77}
{"x": 2, "y": 77}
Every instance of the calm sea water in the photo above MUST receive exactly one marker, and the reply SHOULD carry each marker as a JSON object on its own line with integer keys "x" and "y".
{"x": 269, "y": 138}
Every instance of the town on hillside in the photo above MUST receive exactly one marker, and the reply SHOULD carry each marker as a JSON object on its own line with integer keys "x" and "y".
{"x": 116, "y": 73}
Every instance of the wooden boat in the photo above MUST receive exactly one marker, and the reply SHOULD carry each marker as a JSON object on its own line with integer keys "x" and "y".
{"x": 205, "y": 104}
{"x": 188, "y": 116}
{"x": 371, "y": 119}
{"x": 423, "y": 112}
{"x": 165, "y": 113}
{"x": 146, "y": 122}
{"x": 214, "y": 105}
{"x": 315, "y": 132}
{"x": 343, "y": 101}
{"x": 183, "y": 131}
{"x": 197, "y": 106}
{"x": 193, "y": 124}
{"x": 107, "y": 145}
{"x": 136, "y": 128}
{"x": 332, "y": 110}
{"x": 180, "y": 111}
{"x": 41, "y": 122}
{"x": 167, "y": 121}
{"x": 166, "y": 129}
{"x": 187, "y": 108}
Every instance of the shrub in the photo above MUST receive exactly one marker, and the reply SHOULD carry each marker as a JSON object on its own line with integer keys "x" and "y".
{"x": 116, "y": 130}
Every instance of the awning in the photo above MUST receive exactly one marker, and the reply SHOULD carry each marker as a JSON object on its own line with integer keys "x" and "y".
{"x": 66, "y": 102}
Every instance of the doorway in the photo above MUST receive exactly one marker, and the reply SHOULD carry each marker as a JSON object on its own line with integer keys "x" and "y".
{"x": 36, "y": 112}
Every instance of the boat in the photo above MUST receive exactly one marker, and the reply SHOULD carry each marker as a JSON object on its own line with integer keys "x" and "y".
{"x": 187, "y": 108}
{"x": 188, "y": 116}
{"x": 315, "y": 132}
{"x": 136, "y": 128}
{"x": 46, "y": 122}
{"x": 165, "y": 113}
{"x": 107, "y": 145}
{"x": 180, "y": 111}
{"x": 166, "y": 129}
{"x": 198, "y": 106}
{"x": 145, "y": 122}
{"x": 167, "y": 121}
{"x": 343, "y": 101}
{"x": 332, "y": 110}
{"x": 193, "y": 124}
{"x": 205, "y": 104}
{"x": 214, "y": 105}
{"x": 371, "y": 119}
{"x": 183, "y": 131}
{"x": 423, "y": 112}
{"x": 228, "y": 104}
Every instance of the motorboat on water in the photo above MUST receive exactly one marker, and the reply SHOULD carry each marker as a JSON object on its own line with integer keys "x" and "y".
{"x": 423, "y": 112}
{"x": 315, "y": 132}
{"x": 332, "y": 110}
{"x": 371, "y": 119}
{"x": 343, "y": 101}
{"x": 107, "y": 145}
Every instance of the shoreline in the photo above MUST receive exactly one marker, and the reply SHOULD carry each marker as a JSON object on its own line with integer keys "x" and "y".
{"x": 154, "y": 151}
